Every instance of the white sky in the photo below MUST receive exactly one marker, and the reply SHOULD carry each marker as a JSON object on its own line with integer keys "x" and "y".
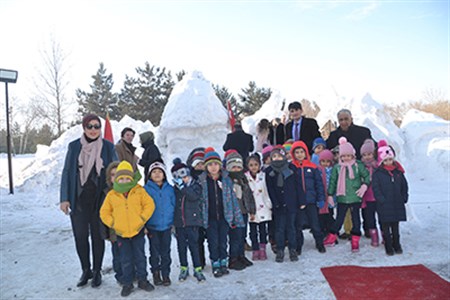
{"x": 391, "y": 49}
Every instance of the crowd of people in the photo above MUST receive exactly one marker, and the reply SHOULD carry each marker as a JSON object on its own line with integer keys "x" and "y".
{"x": 293, "y": 180}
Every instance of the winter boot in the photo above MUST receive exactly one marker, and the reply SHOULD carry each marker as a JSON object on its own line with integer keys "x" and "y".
{"x": 224, "y": 266}
{"x": 280, "y": 255}
{"x": 157, "y": 278}
{"x": 184, "y": 273}
{"x": 255, "y": 255}
{"x": 126, "y": 290}
{"x": 396, "y": 244}
{"x": 247, "y": 247}
{"x": 96, "y": 278}
{"x": 236, "y": 264}
{"x": 166, "y": 281}
{"x": 216, "y": 269}
{"x": 293, "y": 256}
{"x": 247, "y": 262}
{"x": 145, "y": 285}
{"x": 330, "y": 240}
{"x": 262, "y": 252}
{"x": 199, "y": 274}
{"x": 374, "y": 238}
{"x": 85, "y": 276}
{"x": 321, "y": 248}
{"x": 355, "y": 243}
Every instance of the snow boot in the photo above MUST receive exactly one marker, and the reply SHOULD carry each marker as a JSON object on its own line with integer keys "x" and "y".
{"x": 321, "y": 248}
{"x": 355, "y": 243}
{"x": 396, "y": 244}
{"x": 374, "y": 238}
{"x": 247, "y": 247}
{"x": 126, "y": 290}
{"x": 255, "y": 255}
{"x": 145, "y": 285}
{"x": 157, "y": 278}
{"x": 96, "y": 278}
{"x": 85, "y": 276}
{"x": 247, "y": 262}
{"x": 199, "y": 274}
{"x": 330, "y": 240}
{"x": 262, "y": 252}
{"x": 236, "y": 264}
{"x": 224, "y": 266}
{"x": 280, "y": 256}
{"x": 184, "y": 273}
{"x": 293, "y": 256}
{"x": 216, "y": 269}
{"x": 166, "y": 281}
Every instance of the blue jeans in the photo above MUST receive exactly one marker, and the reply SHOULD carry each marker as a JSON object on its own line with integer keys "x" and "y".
{"x": 310, "y": 215}
{"x": 356, "y": 220}
{"x": 255, "y": 230}
{"x": 160, "y": 251}
{"x": 285, "y": 227}
{"x": 132, "y": 257}
{"x": 217, "y": 233}
{"x": 237, "y": 239}
{"x": 188, "y": 237}
{"x": 117, "y": 266}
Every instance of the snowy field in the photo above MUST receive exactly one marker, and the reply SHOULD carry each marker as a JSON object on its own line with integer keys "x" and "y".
{"x": 38, "y": 258}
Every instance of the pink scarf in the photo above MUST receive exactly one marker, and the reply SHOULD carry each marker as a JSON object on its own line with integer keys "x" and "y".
{"x": 342, "y": 174}
{"x": 90, "y": 154}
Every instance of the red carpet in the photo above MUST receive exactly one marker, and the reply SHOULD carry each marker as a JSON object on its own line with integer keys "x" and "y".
{"x": 403, "y": 282}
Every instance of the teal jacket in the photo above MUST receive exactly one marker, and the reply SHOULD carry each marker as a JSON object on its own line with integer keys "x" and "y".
{"x": 362, "y": 176}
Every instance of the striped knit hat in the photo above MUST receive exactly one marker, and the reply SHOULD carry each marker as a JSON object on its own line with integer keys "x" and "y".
{"x": 124, "y": 170}
{"x": 211, "y": 156}
{"x": 196, "y": 156}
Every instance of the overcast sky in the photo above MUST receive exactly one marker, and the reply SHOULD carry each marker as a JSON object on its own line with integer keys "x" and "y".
{"x": 391, "y": 49}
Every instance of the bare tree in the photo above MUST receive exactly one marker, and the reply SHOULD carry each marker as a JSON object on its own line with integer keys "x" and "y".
{"x": 51, "y": 86}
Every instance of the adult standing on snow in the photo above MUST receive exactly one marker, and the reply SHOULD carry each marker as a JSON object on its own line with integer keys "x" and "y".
{"x": 83, "y": 182}
{"x": 151, "y": 152}
{"x": 240, "y": 141}
{"x": 125, "y": 149}
{"x": 356, "y": 135}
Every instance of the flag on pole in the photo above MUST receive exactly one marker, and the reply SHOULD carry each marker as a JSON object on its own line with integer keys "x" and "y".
{"x": 108, "y": 135}
{"x": 231, "y": 118}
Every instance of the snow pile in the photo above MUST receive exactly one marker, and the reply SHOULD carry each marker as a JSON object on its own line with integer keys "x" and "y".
{"x": 193, "y": 117}
{"x": 427, "y": 145}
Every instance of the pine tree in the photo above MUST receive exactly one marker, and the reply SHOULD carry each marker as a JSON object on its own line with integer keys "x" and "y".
{"x": 101, "y": 99}
{"x": 224, "y": 95}
{"x": 252, "y": 98}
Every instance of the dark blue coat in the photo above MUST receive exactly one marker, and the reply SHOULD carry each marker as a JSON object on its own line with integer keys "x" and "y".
{"x": 70, "y": 175}
{"x": 315, "y": 191}
{"x": 287, "y": 196}
{"x": 188, "y": 210}
{"x": 164, "y": 198}
{"x": 391, "y": 194}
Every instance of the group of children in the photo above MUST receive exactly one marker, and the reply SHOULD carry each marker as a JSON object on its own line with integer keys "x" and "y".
{"x": 277, "y": 197}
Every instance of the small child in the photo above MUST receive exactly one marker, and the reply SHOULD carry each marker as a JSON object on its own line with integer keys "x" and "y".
{"x": 246, "y": 201}
{"x": 283, "y": 187}
{"x": 391, "y": 191}
{"x": 311, "y": 185}
{"x": 159, "y": 226}
{"x": 126, "y": 209}
{"x": 326, "y": 213}
{"x": 319, "y": 145}
{"x": 349, "y": 181}
{"x": 258, "y": 226}
{"x": 287, "y": 149}
{"x": 220, "y": 210}
{"x": 188, "y": 218}
{"x": 368, "y": 206}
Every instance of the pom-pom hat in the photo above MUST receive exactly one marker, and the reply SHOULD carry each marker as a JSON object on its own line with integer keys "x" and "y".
{"x": 345, "y": 148}
{"x": 211, "y": 156}
{"x": 384, "y": 152}
{"x": 179, "y": 169}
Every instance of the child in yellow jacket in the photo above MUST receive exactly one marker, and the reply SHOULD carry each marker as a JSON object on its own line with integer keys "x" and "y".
{"x": 126, "y": 209}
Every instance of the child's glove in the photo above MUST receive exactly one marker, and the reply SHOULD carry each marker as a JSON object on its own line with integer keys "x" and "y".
{"x": 361, "y": 191}
{"x": 330, "y": 201}
{"x": 320, "y": 204}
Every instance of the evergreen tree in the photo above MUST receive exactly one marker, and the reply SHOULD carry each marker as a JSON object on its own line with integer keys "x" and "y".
{"x": 224, "y": 95}
{"x": 252, "y": 98}
{"x": 101, "y": 99}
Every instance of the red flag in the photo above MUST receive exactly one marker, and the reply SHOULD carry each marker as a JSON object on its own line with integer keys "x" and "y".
{"x": 231, "y": 118}
{"x": 108, "y": 135}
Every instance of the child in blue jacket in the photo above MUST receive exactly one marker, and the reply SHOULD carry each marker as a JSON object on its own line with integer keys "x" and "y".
{"x": 159, "y": 226}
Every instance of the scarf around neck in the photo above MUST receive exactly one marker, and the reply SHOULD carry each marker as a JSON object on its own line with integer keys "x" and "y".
{"x": 370, "y": 165}
{"x": 90, "y": 155}
{"x": 126, "y": 187}
{"x": 282, "y": 170}
{"x": 342, "y": 176}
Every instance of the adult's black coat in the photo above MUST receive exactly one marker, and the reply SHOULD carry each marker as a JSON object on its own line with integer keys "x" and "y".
{"x": 355, "y": 134}
{"x": 241, "y": 142}
{"x": 309, "y": 131}
{"x": 391, "y": 194}
{"x": 150, "y": 155}
{"x": 276, "y": 135}
{"x": 188, "y": 206}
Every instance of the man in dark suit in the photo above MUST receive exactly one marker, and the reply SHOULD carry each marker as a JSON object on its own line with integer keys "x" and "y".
{"x": 301, "y": 128}
{"x": 240, "y": 141}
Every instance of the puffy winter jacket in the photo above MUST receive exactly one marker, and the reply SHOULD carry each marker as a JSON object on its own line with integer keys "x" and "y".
{"x": 164, "y": 197}
{"x": 261, "y": 195}
{"x": 362, "y": 176}
{"x": 188, "y": 210}
{"x": 127, "y": 216}
{"x": 286, "y": 197}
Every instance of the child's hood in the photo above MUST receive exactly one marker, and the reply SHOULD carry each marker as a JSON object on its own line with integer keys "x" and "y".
{"x": 307, "y": 161}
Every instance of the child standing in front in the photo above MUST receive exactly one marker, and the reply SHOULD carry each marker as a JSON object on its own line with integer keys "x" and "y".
{"x": 159, "y": 226}
{"x": 349, "y": 181}
{"x": 188, "y": 218}
{"x": 326, "y": 213}
{"x": 126, "y": 209}
{"x": 391, "y": 191}
{"x": 258, "y": 226}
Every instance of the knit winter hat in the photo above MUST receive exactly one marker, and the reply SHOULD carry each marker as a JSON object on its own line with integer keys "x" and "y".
{"x": 146, "y": 136}
{"x": 287, "y": 146}
{"x": 234, "y": 159}
{"x": 124, "y": 170}
{"x": 326, "y": 155}
{"x": 211, "y": 156}
{"x": 384, "y": 152}
{"x": 278, "y": 149}
{"x": 319, "y": 141}
{"x": 157, "y": 165}
{"x": 266, "y": 152}
{"x": 345, "y": 148}
{"x": 179, "y": 169}
{"x": 196, "y": 156}
{"x": 367, "y": 147}
{"x": 88, "y": 118}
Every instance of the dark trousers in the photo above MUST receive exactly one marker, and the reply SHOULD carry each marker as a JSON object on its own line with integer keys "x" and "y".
{"x": 285, "y": 227}
{"x": 188, "y": 237}
{"x": 258, "y": 234}
{"x": 201, "y": 245}
{"x": 237, "y": 239}
{"x": 117, "y": 266}
{"x": 217, "y": 235}
{"x": 356, "y": 219}
{"x": 132, "y": 258}
{"x": 310, "y": 215}
{"x": 369, "y": 213}
{"x": 160, "y": 251}
{"x": 86, "y": 221}
{"x": 271, "y": 229}
{"x": 326, "y": 221}
{"x": 391, "y": 234}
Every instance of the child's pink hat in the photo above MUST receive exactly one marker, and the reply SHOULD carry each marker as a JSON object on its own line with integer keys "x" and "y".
{"x": 367, "y": 147}
{"x": 326, "y": 155}
{"x": 345, "y": 147}
{"x": 384, "y": 152}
